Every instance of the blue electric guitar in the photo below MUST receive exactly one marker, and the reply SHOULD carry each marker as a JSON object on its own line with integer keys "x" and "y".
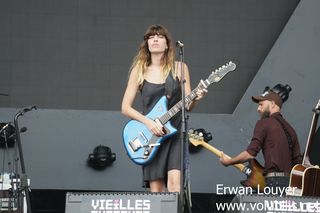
{"x": 140, "y": 143}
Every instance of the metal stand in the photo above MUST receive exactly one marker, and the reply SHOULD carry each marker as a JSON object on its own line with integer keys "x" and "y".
{"x": 185, "y": 195}
{"x": 23, "y": 176}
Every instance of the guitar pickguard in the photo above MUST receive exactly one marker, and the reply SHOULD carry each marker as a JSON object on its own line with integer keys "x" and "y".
{"x": 141, "y": 145}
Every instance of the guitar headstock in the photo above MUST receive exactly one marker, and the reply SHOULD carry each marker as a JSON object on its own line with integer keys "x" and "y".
{"x": 219, "y": 73}
{"x": 196, "y": 139}
{"x": 317, "y": 108}
{"x": 318, "y": 105}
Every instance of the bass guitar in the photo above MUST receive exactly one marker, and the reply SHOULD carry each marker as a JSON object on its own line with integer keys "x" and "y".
{"x": 140, "y": 143}
{"x": 254, "y": 171}
{"x": 305, "y": 177}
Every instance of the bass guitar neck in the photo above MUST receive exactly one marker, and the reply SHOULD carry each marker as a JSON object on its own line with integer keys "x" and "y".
{"x": 241, "y": 167}
{"x": 254, "y": 171}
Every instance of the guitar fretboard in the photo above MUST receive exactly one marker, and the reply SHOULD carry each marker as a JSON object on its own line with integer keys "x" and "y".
{"x": 178, "y": 106}
{"x": 312, "y": 131}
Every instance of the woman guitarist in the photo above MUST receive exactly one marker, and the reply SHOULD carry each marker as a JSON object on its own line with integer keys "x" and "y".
{"x": 155, "y": 73}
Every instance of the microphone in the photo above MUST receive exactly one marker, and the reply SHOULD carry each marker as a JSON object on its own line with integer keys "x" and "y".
{"x": 179, "y": 44}
{"x": 27, "y": 109}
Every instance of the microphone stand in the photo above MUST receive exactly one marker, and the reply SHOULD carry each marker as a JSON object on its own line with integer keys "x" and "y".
{"x": 184, "y": 167}
{"x": 23, "y": 176}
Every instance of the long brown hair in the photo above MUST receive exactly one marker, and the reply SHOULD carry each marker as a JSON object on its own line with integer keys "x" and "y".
{"x": 143, "y": 58}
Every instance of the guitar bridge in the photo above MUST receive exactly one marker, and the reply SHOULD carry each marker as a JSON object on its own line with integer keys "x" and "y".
{"x": 135, "y": 144}
{"x": 138, "y": 142}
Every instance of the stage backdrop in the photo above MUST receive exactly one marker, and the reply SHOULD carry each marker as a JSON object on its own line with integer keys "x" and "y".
{"x": 58, "y": 141}
{"x": 76, "y": 54}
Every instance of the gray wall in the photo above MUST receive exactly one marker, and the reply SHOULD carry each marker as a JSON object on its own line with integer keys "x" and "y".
{"x": 75, "y": 54}
{"x": 58, "y": 141}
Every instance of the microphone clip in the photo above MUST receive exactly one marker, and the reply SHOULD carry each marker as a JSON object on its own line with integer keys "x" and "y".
{"x": 179, "y": 44}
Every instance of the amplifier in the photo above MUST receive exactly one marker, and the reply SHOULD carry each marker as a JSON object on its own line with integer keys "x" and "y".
{"x": 273, "y": 204}
{"x": 121, "y": 202}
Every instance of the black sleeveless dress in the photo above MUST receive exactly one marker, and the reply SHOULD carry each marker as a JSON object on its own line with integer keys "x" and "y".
{"x": 168, "y": 154}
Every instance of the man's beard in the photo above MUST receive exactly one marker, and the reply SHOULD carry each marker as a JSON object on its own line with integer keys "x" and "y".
{"x": 265, "y": 114}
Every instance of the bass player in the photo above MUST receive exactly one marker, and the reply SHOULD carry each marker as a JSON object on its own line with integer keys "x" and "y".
{"x": 275, "y": 137}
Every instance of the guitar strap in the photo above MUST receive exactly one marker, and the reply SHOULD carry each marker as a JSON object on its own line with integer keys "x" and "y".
{"x": 287, "y": 134}
{"x": 169, "y": 86}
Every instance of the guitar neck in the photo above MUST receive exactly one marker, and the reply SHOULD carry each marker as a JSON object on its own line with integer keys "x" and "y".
{"x": 215, "y": 76}
{"x": 310, "y": 137}
{"x": 178, "y": 106}
{"x": 217, "y": 152}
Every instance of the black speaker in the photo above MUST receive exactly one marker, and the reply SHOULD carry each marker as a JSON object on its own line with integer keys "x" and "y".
{"x": 121, "y": 202}
{"x": 272, "y": 204}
